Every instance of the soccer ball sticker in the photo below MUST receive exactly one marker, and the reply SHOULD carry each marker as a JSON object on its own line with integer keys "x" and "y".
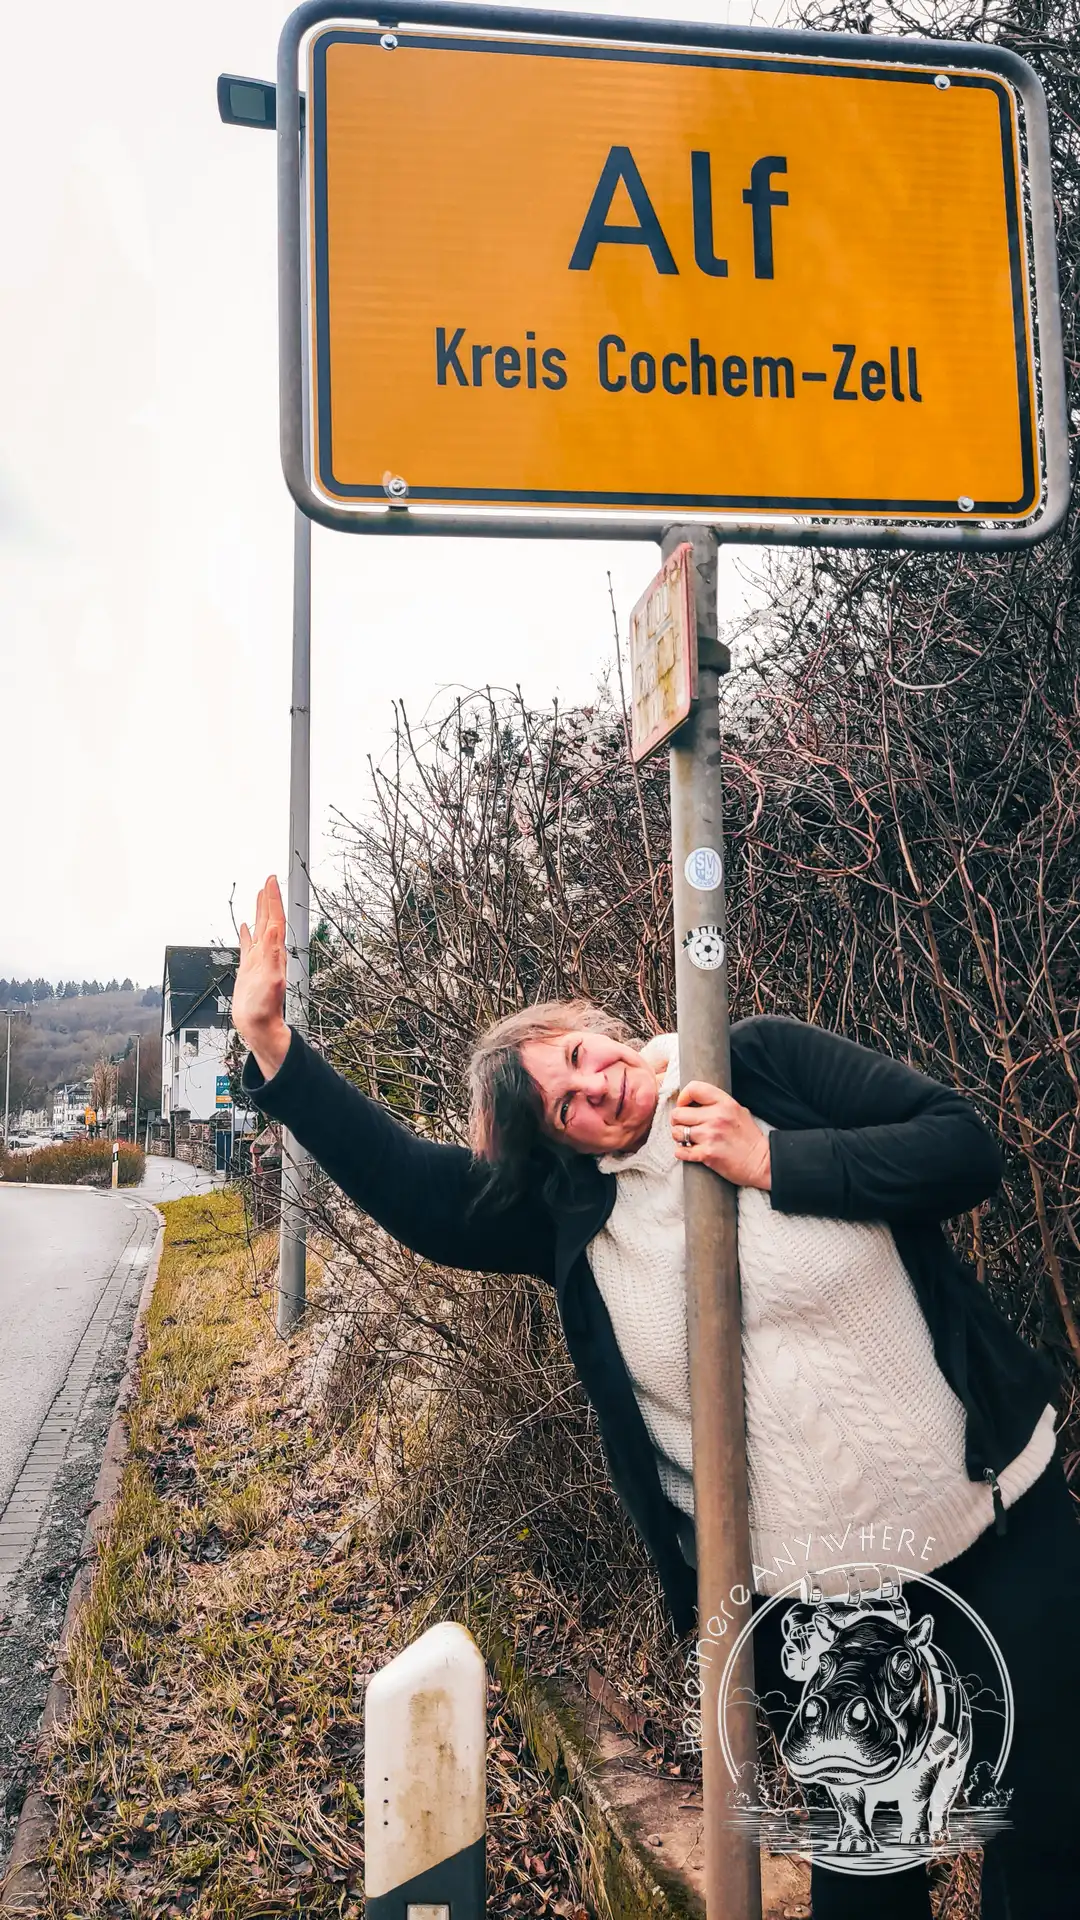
{"x": 704, "y": 948}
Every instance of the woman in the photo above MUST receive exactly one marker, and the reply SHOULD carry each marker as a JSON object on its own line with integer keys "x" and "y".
{"x": 882, "y": 1385}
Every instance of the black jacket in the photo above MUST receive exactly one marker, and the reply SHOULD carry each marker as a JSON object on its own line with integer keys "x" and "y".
{"x": 856, "y": 1136}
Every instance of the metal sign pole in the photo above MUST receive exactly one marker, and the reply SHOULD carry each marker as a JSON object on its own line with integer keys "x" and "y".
{"x": 714, "y": 1318}
{"x": 292, "y": 1244}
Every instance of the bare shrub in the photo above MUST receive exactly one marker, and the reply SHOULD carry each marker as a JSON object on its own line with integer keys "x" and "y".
{"x": 903, "y": 781}
{"x": 84, "y": 1163}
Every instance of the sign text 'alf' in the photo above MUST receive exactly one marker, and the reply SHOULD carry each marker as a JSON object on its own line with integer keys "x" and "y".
{"x": 649, "y": 279}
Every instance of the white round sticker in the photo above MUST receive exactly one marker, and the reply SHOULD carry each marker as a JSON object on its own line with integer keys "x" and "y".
{"x": 704, "y": 869}
{"x": 705, "y": 948}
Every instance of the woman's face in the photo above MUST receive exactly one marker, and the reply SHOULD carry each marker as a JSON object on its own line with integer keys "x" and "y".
{"x": 599, "y": 1096}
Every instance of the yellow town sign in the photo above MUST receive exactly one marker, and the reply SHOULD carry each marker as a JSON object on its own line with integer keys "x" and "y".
{"x": 552, "y": 274}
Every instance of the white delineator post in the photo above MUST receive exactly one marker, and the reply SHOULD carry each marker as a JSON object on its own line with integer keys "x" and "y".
{"x": 425, "y": 1752}
{"x": 116, "y": 1163}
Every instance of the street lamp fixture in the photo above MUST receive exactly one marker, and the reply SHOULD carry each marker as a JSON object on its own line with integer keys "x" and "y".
{"x": 246, "y": 103}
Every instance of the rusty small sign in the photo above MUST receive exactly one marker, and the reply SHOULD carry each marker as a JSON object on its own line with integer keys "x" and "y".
{"x": 663, "y": 656}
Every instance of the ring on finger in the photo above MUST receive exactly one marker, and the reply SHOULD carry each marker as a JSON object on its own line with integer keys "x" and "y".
{"x": 687, "y": 1137}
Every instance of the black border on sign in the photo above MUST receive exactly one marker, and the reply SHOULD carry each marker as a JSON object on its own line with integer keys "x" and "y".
{"x": 754, "y": 503}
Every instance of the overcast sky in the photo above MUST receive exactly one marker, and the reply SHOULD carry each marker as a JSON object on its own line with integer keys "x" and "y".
{"x": 145, "y": 531}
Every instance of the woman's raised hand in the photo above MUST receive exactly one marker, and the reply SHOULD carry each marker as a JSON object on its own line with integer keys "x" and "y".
{"x": 722, "y": 1135}
{"x": 258, "y": 1002}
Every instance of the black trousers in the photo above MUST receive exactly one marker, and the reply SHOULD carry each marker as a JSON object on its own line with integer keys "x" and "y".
{"x": 1025, "y": 1585}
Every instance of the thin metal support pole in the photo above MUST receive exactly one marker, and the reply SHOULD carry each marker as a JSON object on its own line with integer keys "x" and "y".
{"x": 292, "y": 1268}
{"x": 713, "y": 1307}
{"x": 7, "y": 1079}
{"x": 292, "y": 1239}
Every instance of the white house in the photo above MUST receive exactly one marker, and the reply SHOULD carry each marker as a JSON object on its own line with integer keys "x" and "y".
{"x": 69, "y": 1106}
{"x": 195, "y": 1028}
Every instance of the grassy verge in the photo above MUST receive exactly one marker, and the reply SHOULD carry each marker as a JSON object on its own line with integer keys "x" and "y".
{"x": 212, "y": 1764}
{"x": 76, "y": 1163}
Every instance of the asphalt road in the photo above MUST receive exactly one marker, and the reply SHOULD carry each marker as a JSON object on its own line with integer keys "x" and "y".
{"x": 72, "y": 1267}
{"x": 58, "y": 1253}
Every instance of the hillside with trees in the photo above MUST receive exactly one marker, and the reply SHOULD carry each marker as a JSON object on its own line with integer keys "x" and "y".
{"x": 28, "y": 993}
{"x": 60, "y": 1035}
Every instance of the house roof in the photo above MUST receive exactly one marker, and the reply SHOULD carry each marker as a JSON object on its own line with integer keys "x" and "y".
{"x": 191, "y": 975}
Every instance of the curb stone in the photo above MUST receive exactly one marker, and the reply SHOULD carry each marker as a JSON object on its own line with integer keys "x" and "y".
{"x": 645, "y": 1858}
{"x": 66, "y": 1186}
{"x": 22, "y": 1886}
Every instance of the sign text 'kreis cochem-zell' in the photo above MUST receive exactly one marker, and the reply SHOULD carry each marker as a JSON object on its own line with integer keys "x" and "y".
{"x": 632, "y": 278}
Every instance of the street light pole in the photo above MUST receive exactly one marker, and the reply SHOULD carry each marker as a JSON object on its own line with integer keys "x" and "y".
{"x": 292, "y": 1236}
{"x": 7, "y": 1077}
{"x": 135, "y": 1109}
{"x": 253, "y": 103}
{"x": 713, "y": 1307}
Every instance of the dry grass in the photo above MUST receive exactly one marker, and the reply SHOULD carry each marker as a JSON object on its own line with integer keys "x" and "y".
{"x": 212, "y": 1761}
{"x": 489, "y": 1491}
{"x": 489, "y": 1494}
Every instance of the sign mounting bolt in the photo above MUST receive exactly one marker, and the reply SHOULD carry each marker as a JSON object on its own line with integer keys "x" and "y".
{"x": 965, "y": 503}
{"x": 941, "y": 80}
{"x": 396, "y": 487}
{"x": 389, "y": 41}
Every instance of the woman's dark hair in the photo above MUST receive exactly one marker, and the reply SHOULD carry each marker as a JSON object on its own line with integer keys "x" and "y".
{"x": 506, "y": 1112}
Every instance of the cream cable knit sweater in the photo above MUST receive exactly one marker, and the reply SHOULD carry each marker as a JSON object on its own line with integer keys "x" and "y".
{"x": 852, "y": 1429}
